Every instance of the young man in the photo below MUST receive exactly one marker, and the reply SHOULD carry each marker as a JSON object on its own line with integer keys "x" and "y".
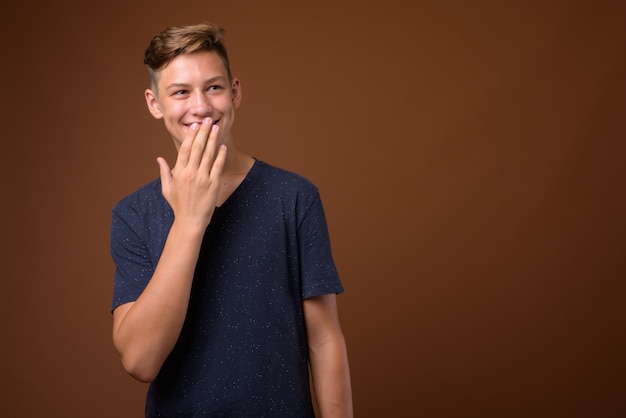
{"x": 225, "y": 285}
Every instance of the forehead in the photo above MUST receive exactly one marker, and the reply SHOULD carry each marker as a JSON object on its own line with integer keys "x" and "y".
{"x": 195, "y": 67}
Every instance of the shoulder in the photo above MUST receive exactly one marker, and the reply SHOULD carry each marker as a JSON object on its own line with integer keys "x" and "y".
{"x": 144, "y": 200}
{"x": 294, "y": 193}
{"x": 284, "y": 180}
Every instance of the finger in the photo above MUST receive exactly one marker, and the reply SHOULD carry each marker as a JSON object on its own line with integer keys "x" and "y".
{"x": 220, "y": 160}
{"x": 184, "y": 151}
{"x": 165, "y": 172}
{"x": 211, "y": 151}
{"x": 200, "y": 143}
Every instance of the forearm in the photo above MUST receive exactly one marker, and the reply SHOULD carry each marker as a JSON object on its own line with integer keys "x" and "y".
{"x": 145, "y": 332}
{"x": 331, "y": 379}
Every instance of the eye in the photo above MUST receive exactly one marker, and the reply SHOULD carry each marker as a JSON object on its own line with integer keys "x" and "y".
{"x": 215, "y": 87}
{"x": 180, "y": 93}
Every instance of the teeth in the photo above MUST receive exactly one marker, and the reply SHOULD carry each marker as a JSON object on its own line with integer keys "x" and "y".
{"x": 199, "y": 123}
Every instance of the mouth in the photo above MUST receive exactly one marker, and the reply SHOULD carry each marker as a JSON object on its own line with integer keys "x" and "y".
{"x": 188, "y": 125}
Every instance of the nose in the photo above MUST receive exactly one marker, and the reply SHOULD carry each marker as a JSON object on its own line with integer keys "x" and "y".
{"x": 201, "y": 105}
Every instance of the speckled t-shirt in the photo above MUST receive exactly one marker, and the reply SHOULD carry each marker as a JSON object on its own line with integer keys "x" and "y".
{"x": 242, "y": 351}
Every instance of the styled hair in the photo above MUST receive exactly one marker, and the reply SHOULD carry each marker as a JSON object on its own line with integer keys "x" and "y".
{"x": 179, "y": 40}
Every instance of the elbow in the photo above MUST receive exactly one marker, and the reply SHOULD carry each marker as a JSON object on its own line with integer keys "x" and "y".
{"x": 138, "y": 361}
{"x": 140, "y": 370}
{"x": 142, "y": 376}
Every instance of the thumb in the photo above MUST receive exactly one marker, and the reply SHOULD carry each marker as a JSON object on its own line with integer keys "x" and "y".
{"x": 165, "y": 172}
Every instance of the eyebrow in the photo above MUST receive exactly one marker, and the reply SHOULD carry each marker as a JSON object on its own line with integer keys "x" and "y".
{"x": 209, "y": 81}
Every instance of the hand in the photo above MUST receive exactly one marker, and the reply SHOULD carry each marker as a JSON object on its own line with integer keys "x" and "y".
{"x": 192, "y": 186}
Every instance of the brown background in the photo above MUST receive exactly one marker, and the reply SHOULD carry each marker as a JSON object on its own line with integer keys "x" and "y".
{"x": 471, "y": 161}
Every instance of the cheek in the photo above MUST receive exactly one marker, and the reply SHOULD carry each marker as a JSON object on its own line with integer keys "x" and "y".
{"x": 174, "y": 109}
{"x": 231, "y": 114}
{"x": 225, "y": 105}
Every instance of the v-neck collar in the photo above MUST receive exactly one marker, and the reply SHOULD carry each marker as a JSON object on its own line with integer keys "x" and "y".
{"x": 247, "y": 180}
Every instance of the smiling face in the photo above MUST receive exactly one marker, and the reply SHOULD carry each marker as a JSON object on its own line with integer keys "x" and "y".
{"x": 190, "y": 88}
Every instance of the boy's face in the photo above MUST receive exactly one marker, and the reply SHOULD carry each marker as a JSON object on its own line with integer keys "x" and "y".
{"x": 190, "y": 88}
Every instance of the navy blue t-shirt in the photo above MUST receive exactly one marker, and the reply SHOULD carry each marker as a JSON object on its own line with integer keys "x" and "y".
{"x": 242, "y": 351}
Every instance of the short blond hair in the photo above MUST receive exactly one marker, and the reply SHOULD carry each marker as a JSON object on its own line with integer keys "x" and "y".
{"x": 179, "y": 40}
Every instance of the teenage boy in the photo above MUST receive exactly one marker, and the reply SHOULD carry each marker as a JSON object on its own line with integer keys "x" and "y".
{"x": 225, "y": 287}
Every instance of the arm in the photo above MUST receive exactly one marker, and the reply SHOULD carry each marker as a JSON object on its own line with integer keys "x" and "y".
{"x": 329, "y": 358}
{"x": 145, "y": 331}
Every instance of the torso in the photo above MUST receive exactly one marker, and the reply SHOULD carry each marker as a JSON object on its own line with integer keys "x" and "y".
{"x": 243, "y": 349}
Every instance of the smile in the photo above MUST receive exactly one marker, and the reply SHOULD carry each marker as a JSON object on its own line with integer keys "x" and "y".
{"x": 199, "y": 123}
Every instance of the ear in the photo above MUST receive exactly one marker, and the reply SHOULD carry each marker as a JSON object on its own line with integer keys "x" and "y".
{"x": 236, "y": 92}
{"x": 153, "y": 104}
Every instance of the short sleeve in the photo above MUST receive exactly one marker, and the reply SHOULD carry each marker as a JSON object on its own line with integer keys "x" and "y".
{"x": 133, "y": 264}
{"x": 319, "y": 273}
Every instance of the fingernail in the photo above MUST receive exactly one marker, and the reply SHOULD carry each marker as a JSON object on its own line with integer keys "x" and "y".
{"x": 194, "y": 126}
{"x": 207, "y": 121}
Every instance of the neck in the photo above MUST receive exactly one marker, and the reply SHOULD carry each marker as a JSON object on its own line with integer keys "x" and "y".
{"x": 237, "y": 162}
